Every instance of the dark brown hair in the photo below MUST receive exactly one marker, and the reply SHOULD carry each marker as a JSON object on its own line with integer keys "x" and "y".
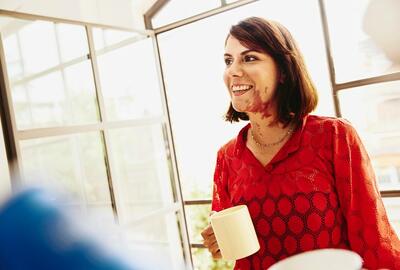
{"x": 296, "y": 96}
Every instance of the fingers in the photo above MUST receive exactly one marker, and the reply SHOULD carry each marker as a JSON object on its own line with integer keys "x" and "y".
{"x": 217, "y": 255}
{"x": 212, "y": 245}
{"x": 210, "y": 242}
{"x": 208, "y": 231}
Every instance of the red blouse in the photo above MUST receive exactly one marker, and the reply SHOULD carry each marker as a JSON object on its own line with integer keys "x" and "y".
{"x": 318, "y": 191}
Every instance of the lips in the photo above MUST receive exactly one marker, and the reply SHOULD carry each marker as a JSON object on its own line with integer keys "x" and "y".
{"x": 240, "y": 89}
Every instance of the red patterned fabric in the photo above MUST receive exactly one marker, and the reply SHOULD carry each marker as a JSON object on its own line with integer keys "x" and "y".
{"x": 319, "y": 191}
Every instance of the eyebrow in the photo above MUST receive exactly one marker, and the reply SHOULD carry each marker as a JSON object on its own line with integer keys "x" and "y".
{"x": 242, "y": 53}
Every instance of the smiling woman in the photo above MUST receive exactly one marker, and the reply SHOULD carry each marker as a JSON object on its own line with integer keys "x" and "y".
{"x": 272, "y": 66}
{"x": 304, "y": 178}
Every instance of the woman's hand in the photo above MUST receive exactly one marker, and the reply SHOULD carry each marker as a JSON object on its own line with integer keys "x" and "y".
{"x": 210, "y": 242}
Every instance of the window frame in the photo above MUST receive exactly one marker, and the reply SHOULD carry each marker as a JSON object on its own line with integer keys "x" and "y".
{"x": 12, "y": 135}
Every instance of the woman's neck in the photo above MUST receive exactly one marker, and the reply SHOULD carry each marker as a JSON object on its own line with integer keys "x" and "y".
{"x": 265, "y": 130}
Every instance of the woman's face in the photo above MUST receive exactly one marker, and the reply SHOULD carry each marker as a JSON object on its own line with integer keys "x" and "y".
{"x": 251, "y": 78}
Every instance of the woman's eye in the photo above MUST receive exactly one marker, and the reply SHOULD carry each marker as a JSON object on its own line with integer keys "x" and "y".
{"x": 228, "y": 61}
{"x": 249, "y": 58}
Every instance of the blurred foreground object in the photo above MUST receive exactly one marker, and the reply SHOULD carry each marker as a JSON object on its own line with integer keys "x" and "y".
{"x": 327, "y": 259}
{"x": 35, "y": 233}
{"x": 381, "y": 23}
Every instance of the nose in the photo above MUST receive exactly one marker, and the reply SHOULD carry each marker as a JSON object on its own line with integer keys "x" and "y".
{"x": 235, "y": 70}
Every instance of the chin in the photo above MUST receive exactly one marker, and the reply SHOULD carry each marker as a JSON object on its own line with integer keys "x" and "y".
{"x": 238, "y": 108}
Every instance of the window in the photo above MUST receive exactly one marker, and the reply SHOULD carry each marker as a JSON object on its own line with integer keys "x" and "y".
{"x": 362, "y": 36}
{"x": 90, "y": 122}
{"x": 377, "y": 120}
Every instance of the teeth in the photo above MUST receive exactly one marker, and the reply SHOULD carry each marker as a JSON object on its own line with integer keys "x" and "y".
{"x": 241, "y": 87}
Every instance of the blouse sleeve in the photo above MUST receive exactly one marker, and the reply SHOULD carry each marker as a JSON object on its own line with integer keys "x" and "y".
{"x": 369, "y": 231}
{"x": 220, "y": 198}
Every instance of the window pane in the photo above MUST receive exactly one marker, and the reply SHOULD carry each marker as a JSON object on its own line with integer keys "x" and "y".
{"x": 67, "y": 163}
{"x": 32, "y": 47}
{"x": 157, "y": 235}
{"x": 195, "y": 88}
{"x": 363, "y": 38}
{"x": 106, "y": 37}
{"x": 141, "y": 169}
{"x": 176, "y": 10}
{"x": 202, "y": 260}
{"x": 45, "y": 91}
{"x": 377, "y": 119}
{"x": 58, "y": 98}
{"x": 37, "y": 46}
{"x": 129, "y": 82}
{"x": 72, "y": 40}
{"x": 13, "y": 57}
{"x": 392, "y": 206}
{"x": 197, "y": 219}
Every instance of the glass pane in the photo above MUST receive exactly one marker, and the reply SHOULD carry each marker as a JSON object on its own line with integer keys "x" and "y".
{"x": 202, "y": 260}
{"x": 37, "y": 46}
{"x": 176, "y": 10}
{"x": 46, "y": 92}
{"x": 141, "y": 170}
{"x": 58, "y": 98}
{"x": 72, "y": 40}
{"x": 197, "y": 217}
{"x": 392, "y": 206}
{"x": 363, "y": 39}
{"x": 73, "y": 163}
{"x": 32, "y": 47}
{"x": 13, "y": 57}
{"x": 129, "y": 82}
{"x": 377, "y": 120}
{"x": 159, "y": 235}
{"x": 194, "y": 84}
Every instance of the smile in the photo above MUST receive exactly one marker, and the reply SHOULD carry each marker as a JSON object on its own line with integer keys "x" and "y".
{"x": 240, "y": 89}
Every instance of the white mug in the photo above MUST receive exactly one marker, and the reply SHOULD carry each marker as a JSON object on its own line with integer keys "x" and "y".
{"x": 321, "y": 259}
{"x": 235, "y": 233}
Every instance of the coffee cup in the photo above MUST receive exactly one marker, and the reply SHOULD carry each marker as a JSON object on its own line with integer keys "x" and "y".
{"x": 235, "y": 233}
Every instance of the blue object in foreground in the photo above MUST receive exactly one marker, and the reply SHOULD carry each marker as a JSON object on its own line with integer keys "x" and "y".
{"x": 36, "y": 234}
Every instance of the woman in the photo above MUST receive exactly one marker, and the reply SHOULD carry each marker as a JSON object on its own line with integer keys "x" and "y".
{"x": 307, "y": 180}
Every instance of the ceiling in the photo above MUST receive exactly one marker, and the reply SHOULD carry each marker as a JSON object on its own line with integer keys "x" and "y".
{"x": 119, "y": 13}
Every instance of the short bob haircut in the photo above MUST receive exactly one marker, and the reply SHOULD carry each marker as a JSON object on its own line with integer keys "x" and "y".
{"x": 296, "y": 96}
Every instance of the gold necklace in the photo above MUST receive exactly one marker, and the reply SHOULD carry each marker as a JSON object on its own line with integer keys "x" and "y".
{"x": 262, "y": 145}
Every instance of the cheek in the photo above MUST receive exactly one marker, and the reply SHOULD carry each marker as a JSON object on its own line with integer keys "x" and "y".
{"x": 258, "y": 105}
{"x": 226, "y": 81}
{"x": 225, "y": 78}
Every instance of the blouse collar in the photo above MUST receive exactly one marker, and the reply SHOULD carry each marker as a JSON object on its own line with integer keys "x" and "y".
{"x": 291, "y": 145}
